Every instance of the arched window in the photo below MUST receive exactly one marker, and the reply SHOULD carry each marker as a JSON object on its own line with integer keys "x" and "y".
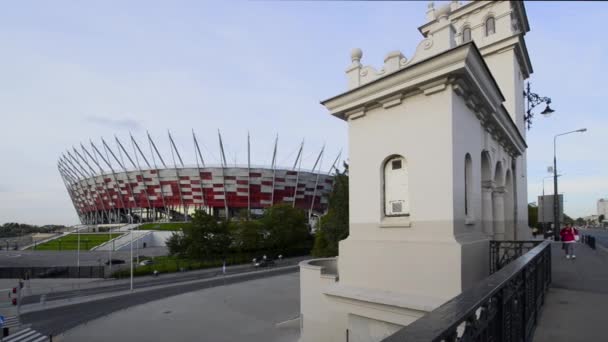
{"x": 490, "y": 26}
{"x": 396, "y": 187}
{"x": 468, "y": 184}
{"x": 466, "y": 34}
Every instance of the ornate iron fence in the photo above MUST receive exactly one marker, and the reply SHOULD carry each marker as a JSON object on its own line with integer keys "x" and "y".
{"x": 504, "y": 307}
{"x": 503, "y": 252}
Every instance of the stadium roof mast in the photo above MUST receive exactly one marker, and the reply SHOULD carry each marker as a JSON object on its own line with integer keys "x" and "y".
{"x": 107, "y": 162}
{"x": 223, "y": 172}
{"x": 274, "y": 168}
{"x": 135, "y": 146}
{"x": 69, "y": 176}
{"x": 314, "y": 192}
{"x": 122, "y": 165}
{"x": 70, "y": 192}
{"x": 116, "y": 211}
{"x": 248, "y": 177}
{"x": 152, "y": 145}
{"x": 298, "y": 158}
{"x": 76, "y": 178}
{"x": 179, "y": 186}
{"x": 93, "y": 177}
{"x": 121, "y": 147}
{"x": 198, "y": 155}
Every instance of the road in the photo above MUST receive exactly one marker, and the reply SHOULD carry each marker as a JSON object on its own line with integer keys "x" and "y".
{"x": 143, "y": 282}
{"x": 247, "y": 311}
{"x": 57, "y": 320}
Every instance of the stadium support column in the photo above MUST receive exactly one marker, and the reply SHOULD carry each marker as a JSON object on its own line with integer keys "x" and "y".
{"x": 248, "y": 177}
{"x": 179, "y": 185}
{"x": 274, "y": 169}
{"x": 319, "y": 161}
{"x": 223, "y": 173}
{"x": 298, "y": 158}
{"x": 135, "y": 146}
{"x": 198, "y": 155}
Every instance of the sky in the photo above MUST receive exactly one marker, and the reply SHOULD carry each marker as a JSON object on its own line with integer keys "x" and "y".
{"x": 73, "y": 71}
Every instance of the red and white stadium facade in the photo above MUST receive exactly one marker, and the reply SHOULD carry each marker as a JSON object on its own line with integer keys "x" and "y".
{"x": 106, "y": 187}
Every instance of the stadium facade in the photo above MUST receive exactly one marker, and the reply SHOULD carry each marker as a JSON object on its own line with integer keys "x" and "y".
{"x": 121, "y": 187}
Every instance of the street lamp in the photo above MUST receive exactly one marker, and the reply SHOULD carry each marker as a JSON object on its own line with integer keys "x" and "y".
{"x": 555, "y": 195}
{"x": 533, "y": 101}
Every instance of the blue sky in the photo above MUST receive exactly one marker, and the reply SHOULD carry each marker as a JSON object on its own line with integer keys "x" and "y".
{"x": 78, "y": 70}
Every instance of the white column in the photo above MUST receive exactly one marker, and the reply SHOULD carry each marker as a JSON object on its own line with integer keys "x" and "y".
{"x": 486, "y": 209}
{"x": 498, "y": 201}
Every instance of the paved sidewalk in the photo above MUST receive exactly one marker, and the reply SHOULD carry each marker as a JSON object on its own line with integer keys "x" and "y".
{"x": 575, "y": 307}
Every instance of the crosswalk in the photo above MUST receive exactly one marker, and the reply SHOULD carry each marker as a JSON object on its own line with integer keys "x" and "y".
{"x": 26, "y": 335}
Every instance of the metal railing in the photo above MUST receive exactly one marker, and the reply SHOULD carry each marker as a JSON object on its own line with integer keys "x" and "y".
{"x": 503, "y": 252}
{"x": 588, "y": 240}
{"x": 503, "y": 307}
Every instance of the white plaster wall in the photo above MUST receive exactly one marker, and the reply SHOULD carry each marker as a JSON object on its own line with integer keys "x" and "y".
{"x": 419, "y": 130}
{"x": 314, "y": 305}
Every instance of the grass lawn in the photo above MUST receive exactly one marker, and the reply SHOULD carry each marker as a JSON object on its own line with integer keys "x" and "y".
{"x": 170, "y": 226}
{"x": 70, "y": 242}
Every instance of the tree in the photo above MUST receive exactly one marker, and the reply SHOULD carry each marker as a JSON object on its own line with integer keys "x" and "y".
{"x": 249, "y": 236}
{"x": 601, "y": 218}
{"x": 204, "y": 238}
{"x": 580, "y": 221}
{"x": 285, "y": 226}
{"x": 334, "y": 225}
{"x": 532, "y": 216}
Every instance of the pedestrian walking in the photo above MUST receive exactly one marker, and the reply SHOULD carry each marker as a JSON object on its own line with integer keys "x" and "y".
{"x": 569, "y": 237}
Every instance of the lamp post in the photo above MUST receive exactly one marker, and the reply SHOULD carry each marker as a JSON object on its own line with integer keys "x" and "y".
{"x": 555, "y": 194}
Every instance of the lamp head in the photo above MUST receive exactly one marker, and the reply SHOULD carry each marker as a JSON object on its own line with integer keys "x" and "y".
{"x": 582, "y": 130}
{"x": 547, "y": 112}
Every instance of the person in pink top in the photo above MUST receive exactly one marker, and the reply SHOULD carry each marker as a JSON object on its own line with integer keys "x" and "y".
{"x": 569, "y": 237}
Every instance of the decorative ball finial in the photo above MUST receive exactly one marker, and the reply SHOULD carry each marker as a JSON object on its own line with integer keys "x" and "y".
{"x": 355, "y": 55}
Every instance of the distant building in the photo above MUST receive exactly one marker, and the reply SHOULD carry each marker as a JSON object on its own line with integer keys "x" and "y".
{"x": 602, "y": 207}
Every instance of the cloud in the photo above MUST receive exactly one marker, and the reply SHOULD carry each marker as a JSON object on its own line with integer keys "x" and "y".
{"x": 114, "y": 123}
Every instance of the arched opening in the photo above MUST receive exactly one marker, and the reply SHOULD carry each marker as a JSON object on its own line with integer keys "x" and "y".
{"x": 396, "y": 187}
{"x": 487, "y": 215}
{"x": 466, "y": 34}
{"x": 509, "y": 207}
{"x": 468, "y": 186}
{"x": 498, "y": 204}
{"x": 490, "y": 26}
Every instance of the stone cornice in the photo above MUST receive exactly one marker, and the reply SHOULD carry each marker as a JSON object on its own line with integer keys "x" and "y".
{"x": 462, "y": 68}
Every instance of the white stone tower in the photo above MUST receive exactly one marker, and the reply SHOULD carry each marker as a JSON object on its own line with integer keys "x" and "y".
{"x": 437, "y": 168}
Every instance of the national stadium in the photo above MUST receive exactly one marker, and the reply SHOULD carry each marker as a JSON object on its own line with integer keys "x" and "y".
{"x": 126, "y": 185}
